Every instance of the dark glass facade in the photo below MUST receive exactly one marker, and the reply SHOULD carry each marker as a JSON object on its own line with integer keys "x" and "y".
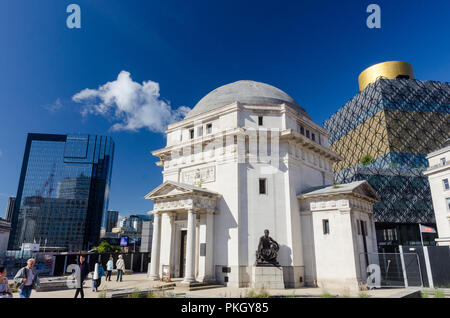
{"x": 63, "y": 191}
{"x": 112, "y": 217}
{"x": 384, "y": 135}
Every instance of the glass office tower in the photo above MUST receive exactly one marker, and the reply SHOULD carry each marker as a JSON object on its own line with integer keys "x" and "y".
{"x": 112, "y": 217}
{"x": 63, "y": 191}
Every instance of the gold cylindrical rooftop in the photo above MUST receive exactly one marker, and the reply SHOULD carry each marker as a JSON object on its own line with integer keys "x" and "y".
{"x": 390, "y": 70}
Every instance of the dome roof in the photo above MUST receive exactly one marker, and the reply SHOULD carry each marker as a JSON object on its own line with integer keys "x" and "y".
{"x": 245, "y": 92}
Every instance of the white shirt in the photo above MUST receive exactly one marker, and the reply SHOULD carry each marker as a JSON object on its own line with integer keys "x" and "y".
{"x": 30, "y": 277}
{"x": 96, "y": 271}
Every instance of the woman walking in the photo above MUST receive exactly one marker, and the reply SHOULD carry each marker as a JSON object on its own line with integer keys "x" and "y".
{"x": 97, "y": 277}
{"x": 5, "y": 290}
{"x": 109, "y": 268}
{"x": 120, "y": 265}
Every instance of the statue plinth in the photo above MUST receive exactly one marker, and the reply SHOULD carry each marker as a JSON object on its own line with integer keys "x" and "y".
{"x": 266, "y": 273}
{"x": 267, "y": 277}
{"x": 267, "y": 264}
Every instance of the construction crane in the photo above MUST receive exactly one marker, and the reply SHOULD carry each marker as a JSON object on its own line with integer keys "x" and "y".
{"x": 49, "y": 183}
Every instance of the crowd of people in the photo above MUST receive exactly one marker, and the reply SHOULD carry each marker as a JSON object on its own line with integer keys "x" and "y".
{"x": 27, "y": 278}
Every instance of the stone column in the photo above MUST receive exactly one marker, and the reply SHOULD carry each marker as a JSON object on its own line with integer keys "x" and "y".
{"x": 172, "y": 218}
{"x": 156, "y": 245}
{"x": 209, "y": 261}
{"x": 190, "y": 248}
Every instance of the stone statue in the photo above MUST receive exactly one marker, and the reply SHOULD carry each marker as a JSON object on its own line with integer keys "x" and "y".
{"x": 267, "y": 250}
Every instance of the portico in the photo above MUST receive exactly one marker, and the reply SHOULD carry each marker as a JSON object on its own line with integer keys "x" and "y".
{"x": 183, "y": 231}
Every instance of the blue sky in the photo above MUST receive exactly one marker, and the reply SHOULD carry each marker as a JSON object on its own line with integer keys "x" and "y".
{"x": 313, "y": 50}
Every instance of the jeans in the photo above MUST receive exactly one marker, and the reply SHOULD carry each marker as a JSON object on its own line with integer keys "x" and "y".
{"x": 25, "y": 292}
{"x": 119, "y": 273}
{"x": 108, "y": 275}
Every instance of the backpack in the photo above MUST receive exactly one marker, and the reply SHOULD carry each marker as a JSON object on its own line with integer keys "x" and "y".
{"x": 16, "y": 284}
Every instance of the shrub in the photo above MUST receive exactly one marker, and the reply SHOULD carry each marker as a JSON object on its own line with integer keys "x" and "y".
{"x": 438, "y": 293}
{"x": 135, "y": 294}
{"x": 261, "y": 294}
{"x": 326, "y": 294}
{"x": 367, "y": 160}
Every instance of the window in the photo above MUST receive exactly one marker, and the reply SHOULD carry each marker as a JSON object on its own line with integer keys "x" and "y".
{"x": 364, "y": 227}
{"x": 262, "y": 186}
{"x": 208, "y": 128}
{"x": 260, "y": 120}
{"x": 302, "y": 130}
{"x": 446, "y": 184}
{"x": 443, "y": 161}
{"x": 326, "y": 227}
{"x": 200, "y": 131}
{"x": 313, "y": 137}
{"x": 191, "y": 133}
{"x": 307, "y": 133}
{"x": 448, "y": 204}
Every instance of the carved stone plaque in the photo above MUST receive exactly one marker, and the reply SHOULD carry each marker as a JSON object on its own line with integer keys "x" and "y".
{"x": 199, "y": 176}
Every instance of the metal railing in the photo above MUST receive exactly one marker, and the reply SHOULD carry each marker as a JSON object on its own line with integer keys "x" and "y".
{"x": 393, "y": 270}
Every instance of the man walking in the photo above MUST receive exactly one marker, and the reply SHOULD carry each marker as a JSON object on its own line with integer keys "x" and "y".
{"x": 27, "y": 278}
{"x": 120, "y": 265}
{"x": 80, "y": 275}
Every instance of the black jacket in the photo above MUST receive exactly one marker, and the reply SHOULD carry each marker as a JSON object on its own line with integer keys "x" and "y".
{"x": 84, "y": 270}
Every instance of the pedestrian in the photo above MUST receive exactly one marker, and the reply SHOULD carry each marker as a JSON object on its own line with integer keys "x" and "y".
{"x": 80, "y": 275}
{"x": 27, "y": 278}
{"x": 109, "y": 268}
{"x": 120, "y": 265}
{"x": 97, "y": 277}
{"x": 5, "y": 290}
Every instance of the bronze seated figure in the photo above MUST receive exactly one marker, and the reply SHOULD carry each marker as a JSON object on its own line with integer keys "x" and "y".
{"x": 267, "y": 250}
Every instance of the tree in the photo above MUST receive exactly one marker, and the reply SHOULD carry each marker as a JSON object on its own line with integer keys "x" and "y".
{"x": 105, "y": 247}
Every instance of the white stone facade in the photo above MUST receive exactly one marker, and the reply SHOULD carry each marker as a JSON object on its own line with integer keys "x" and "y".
{"x": 338, "y": 259}
{"x": 439, "y": 178}
{"x": 214, "y": 164}
{"x": 5, "y": 228}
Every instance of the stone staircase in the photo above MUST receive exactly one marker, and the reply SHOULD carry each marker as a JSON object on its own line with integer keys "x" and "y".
{"x": 180, "y": 287}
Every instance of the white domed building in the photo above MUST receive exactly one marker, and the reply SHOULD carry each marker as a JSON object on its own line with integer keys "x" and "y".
{"x": 247, "y": 158}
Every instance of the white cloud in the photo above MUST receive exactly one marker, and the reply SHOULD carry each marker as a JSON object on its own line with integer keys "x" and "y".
{"x": 57, "y": 105}
{"x": 131, "y": 105}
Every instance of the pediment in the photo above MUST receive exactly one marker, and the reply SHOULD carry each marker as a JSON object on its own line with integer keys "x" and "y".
{"x": 172, "y": 189}
{"x": 359, "y": 188}
{"x": 366, "y": 190}
{"x": 167, "y": 189}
